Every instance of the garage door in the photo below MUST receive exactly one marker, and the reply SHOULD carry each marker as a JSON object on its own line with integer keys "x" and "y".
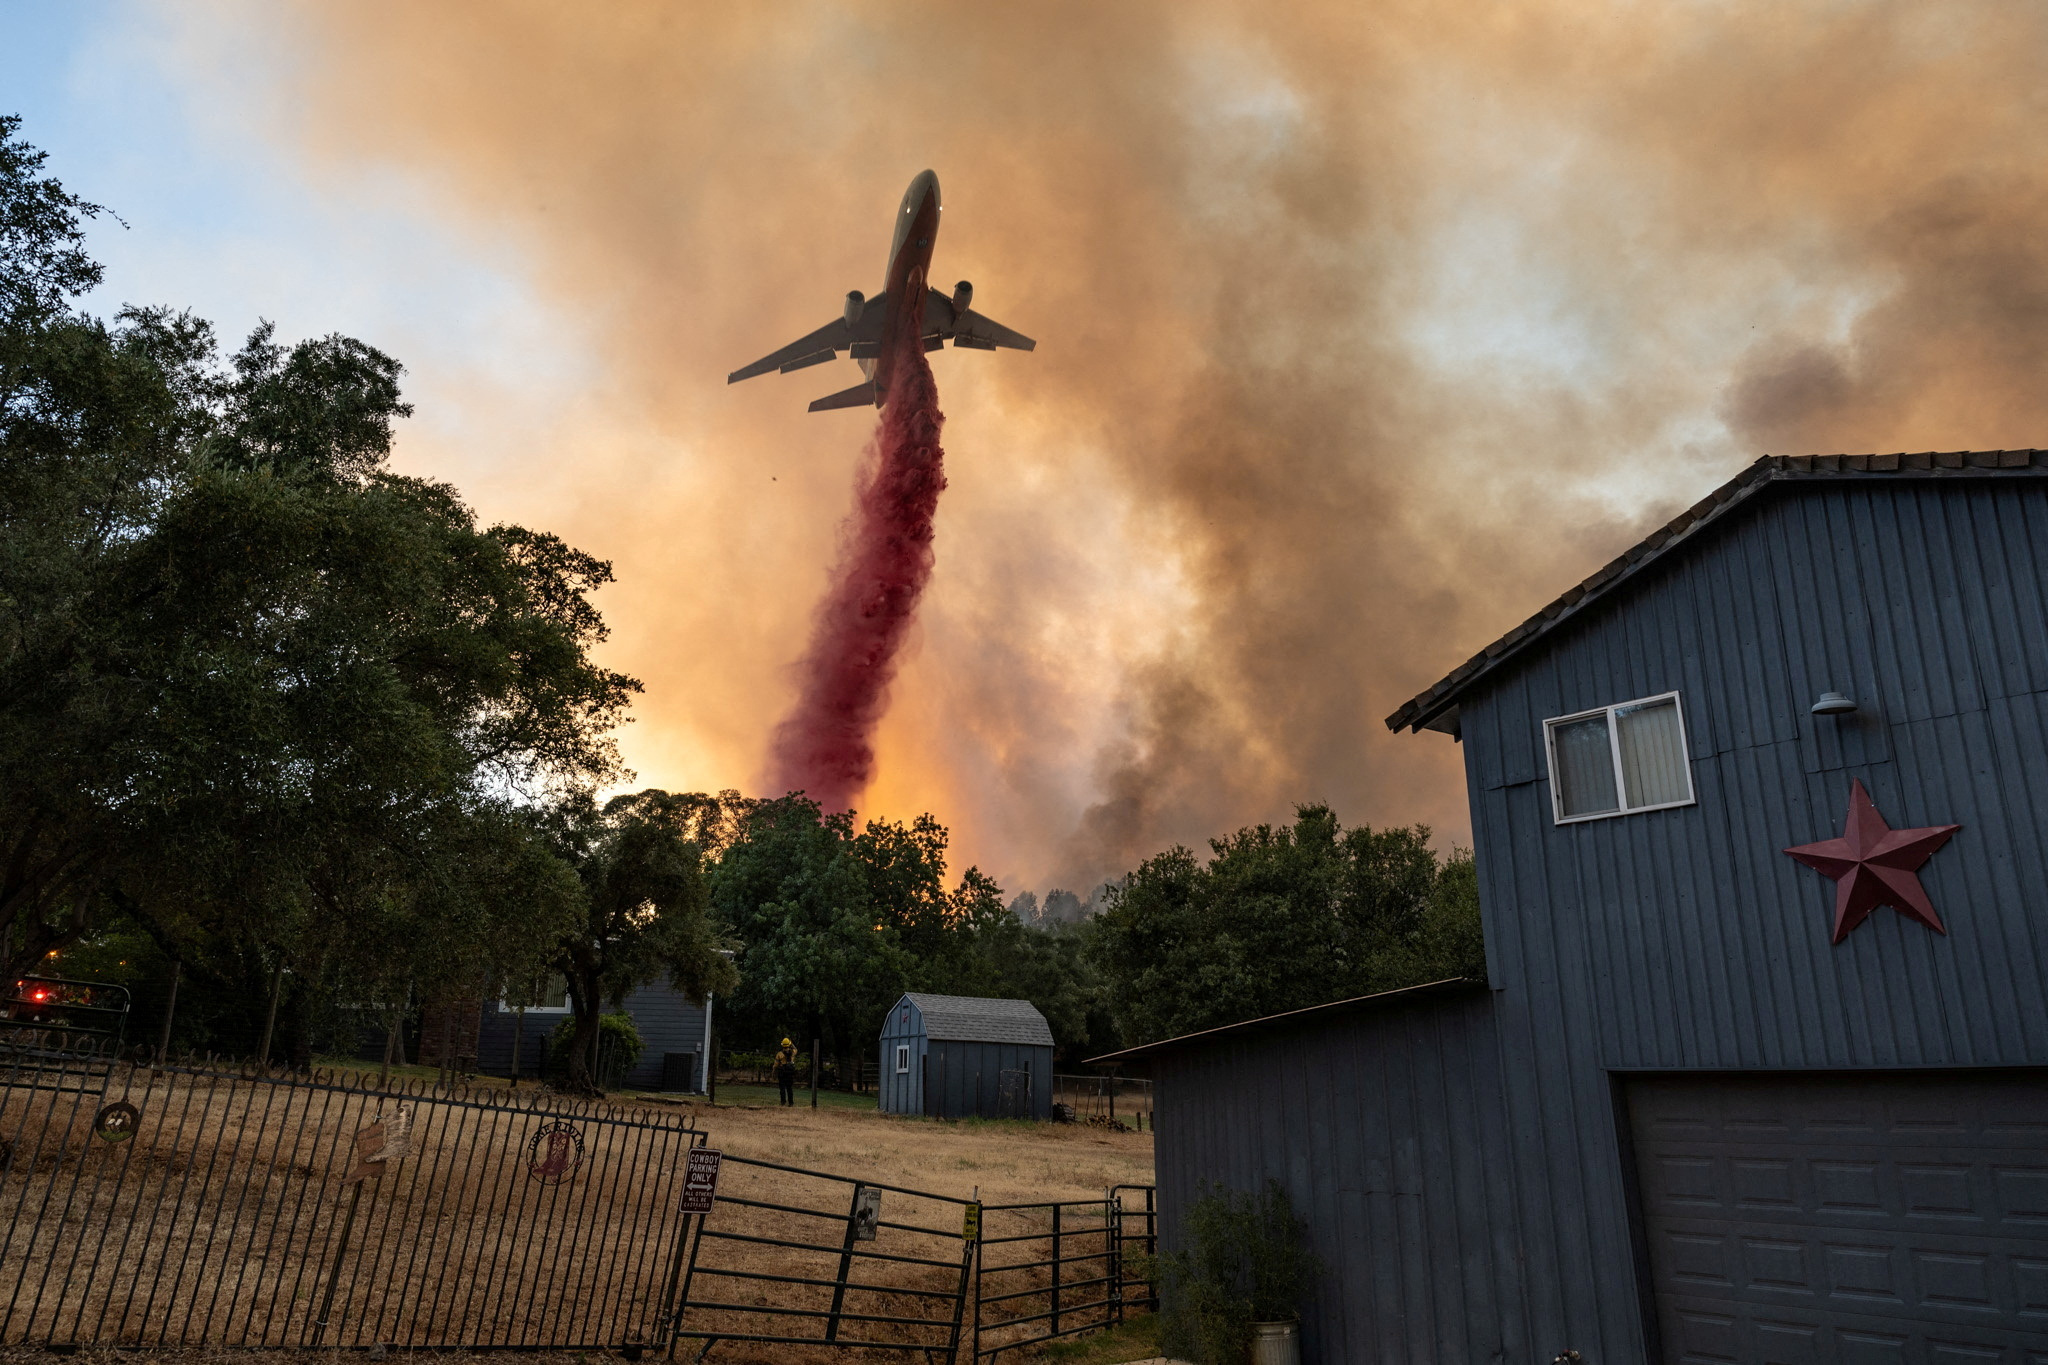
{"x": 1844, "y": 1219}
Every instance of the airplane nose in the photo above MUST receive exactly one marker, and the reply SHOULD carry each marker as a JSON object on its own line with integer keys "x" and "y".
{"x": 928, "y": 185}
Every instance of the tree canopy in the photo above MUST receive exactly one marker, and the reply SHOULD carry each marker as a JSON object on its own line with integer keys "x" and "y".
{"x": 255, "y": 687}
{"x": 835, "y": 923}
{"x": 1282, "y": 918}
{"x": 643, "y": 913}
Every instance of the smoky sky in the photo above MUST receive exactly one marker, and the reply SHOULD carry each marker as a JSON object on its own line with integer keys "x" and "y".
{"x": 1363, "y": 331}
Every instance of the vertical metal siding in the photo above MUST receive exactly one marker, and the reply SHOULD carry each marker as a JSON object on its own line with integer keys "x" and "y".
{"x": 1685, "y": 938}
{"x": 902, "y": 1094}
{"x": 1385, "y": 1129}
{"x": 967, "y": 1076}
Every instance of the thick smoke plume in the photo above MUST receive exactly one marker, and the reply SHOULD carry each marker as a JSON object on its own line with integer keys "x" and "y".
{"x": 1363, "y": 331}
{"x": 825, "y": 747}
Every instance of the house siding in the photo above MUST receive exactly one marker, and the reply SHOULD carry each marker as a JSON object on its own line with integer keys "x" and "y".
{"x": 665, "y": 1018}
{"x": 1685, "y": 939}
{"x": 1462, "y": 1165}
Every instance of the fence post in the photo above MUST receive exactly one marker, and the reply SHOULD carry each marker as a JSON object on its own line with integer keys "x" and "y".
{"x": 672, "y": 1314}
{"x": 348, "y": 1224}
{"x": 970, "y": 1265}
{"x": 1113, "y": 1227}
{"x": 845, "y": 1266}
{"x": 1055, "y": 1269}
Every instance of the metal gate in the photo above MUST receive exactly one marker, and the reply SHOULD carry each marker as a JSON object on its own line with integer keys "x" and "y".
{"x": 1048, "y": 1270}
{"x": 186, "y": 1205}
{"x": 802, "y": 1258}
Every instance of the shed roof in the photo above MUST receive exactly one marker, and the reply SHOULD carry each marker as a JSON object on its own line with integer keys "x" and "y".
{"x": 1437, "y": 708}
{"x": 1456, "y": 985}
{"x": 973, "y": 1019}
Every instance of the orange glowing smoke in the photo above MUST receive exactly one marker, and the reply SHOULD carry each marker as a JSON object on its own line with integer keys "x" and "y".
{"x": 1363, "y": 331}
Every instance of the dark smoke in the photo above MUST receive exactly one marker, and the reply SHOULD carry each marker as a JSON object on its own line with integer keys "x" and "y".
{"x": 825, "y": 746}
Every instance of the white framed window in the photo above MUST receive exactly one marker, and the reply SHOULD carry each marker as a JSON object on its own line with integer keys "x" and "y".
{"x": 903, "y": 1059}
{"x": 1618, "y": 760}
{"x": 550, "y": 995}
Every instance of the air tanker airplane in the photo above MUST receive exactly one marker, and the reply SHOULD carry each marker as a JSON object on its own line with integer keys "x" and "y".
{"x": 868, "y": 322}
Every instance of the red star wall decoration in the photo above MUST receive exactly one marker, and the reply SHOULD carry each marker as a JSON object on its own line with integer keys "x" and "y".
{"x": 1874, "y": 864}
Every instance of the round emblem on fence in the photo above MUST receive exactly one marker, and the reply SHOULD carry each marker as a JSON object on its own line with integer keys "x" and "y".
{"x": 554, "y": 1153}
{"x": 117, "y": 1122}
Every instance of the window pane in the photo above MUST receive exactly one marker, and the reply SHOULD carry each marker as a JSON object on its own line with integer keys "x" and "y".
{"x": 1585, "y": 767}
{"x": 1653, "y": 767}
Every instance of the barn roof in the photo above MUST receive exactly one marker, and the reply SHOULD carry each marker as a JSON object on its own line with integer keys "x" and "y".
{"x": 1437, "y": 708}
{"x": 972, "y": 1019}
{"x": 1450, "y": 986}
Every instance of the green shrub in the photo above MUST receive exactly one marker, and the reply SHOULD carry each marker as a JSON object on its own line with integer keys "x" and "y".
{"x": 1246, "y": 1260}
{"x": 618, "y": 1046}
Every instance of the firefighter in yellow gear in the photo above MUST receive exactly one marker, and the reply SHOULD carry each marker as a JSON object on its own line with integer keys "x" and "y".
{"x": 785, "y": 1071}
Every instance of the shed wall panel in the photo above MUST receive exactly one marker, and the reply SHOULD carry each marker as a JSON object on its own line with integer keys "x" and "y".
{"x": 1387, "y": 1131}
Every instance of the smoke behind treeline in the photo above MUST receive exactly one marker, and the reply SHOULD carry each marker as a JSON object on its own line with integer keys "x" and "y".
{"x": 1364, "y": 330}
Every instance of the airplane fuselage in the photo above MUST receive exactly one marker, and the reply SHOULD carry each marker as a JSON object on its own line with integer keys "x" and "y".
{"x": 910, "y": 264}
{"x": 908, "y": 311}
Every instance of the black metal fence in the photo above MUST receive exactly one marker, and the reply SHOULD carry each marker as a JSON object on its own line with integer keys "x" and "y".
{"x": 1061, "y": 1268}
{"x": 147, "y": 1206}
{"x": 799, "y": 1258}
{"x": 183, "y": 1205}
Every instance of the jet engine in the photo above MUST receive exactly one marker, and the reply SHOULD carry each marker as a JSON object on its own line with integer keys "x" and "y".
{"x": 963, "y": 294}
{"x": 855, "y": 302}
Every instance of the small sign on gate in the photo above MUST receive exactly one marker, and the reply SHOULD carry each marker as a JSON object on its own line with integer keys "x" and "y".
{"x": 867, "y": 1213}
{"x": 700, "y": 1180}
{"x": 970, "y": 1224}
{"x": 387, "y": 1140}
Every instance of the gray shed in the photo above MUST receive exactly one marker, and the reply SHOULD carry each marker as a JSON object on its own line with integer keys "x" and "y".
{"x": 958, "y": 1056}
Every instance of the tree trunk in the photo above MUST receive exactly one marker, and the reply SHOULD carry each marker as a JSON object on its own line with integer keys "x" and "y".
{"x": 584, "y": 1009}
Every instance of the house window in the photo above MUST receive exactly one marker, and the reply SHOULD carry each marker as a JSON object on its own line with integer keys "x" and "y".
{"x": 1618, "y": 760}
{"x": 549, "y": 995}
{"x": 903, "y": 1059}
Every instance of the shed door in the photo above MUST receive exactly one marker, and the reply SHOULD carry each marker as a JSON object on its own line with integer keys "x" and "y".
{"x": 1883, "y": 1218}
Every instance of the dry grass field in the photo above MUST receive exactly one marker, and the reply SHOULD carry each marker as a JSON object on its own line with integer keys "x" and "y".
{"x": 461, "y": 1212}
{"x": 1012, "y": 1162}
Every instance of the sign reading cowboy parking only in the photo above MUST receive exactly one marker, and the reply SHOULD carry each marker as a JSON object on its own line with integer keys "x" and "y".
{"x": 700, "y": 1180}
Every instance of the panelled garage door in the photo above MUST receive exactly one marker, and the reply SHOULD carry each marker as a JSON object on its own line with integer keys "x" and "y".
{"x": 1882, "y": 1218}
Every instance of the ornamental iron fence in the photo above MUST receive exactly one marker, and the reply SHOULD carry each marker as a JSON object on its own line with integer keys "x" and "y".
{"x": 187, "y": 1205}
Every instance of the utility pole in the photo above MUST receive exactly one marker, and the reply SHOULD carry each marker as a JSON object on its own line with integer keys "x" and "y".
{"x": 814, "y": 1073}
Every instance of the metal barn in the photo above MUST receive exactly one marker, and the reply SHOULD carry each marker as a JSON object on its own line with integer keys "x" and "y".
{"x": 959, "y": 1056}
{"x": 1760, "y": 1072}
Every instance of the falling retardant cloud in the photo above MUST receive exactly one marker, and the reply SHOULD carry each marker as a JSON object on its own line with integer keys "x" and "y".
{"x": 1362, "y": 330}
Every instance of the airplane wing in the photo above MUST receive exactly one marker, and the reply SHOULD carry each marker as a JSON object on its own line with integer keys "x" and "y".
{"x": 821, "y": 345}
{"x": 969, "y": 328}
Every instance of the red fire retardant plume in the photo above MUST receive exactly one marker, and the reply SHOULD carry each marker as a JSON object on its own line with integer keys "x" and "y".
{"x": 825, "y": 746}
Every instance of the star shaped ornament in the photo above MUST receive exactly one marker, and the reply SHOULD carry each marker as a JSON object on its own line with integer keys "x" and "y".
{"x": 1874, "y": 865}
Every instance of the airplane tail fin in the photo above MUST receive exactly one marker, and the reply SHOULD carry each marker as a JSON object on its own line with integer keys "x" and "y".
{"x": 859, "y": 396}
